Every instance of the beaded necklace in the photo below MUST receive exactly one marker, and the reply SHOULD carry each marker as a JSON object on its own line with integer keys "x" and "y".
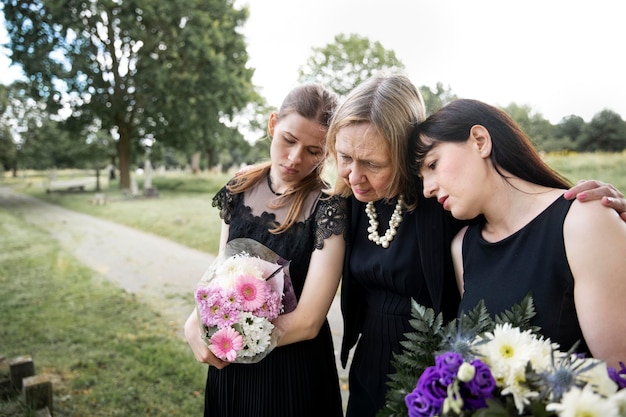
{"x": 394, "y": 222}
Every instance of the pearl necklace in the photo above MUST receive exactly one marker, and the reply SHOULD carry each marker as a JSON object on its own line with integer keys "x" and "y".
{"x": 394, "y": 222}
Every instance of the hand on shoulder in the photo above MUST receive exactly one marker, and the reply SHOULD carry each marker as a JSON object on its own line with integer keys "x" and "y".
{"x": 591, "y": 190}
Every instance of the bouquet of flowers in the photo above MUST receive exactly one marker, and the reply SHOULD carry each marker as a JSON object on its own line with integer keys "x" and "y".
{"x": 241, "y": 292}
{"x": 479, "y": 366}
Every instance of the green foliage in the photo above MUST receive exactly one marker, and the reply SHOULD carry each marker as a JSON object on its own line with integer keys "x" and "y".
{"x": 606, "y": 132}
{"x": 518, "y": 315}
{"x": 171, "y": 71}
{"x": 431, "y": 337}
{"x": 436, "y": 99}
{"x": 67, "y": 319}
{"x": 347, "y": 62}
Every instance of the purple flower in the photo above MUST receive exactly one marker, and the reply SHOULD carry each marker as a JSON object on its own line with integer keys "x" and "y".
{"x": 619, "y": 377}
{"x": 419, "y": 406}
{"x": 480, "y": 388}
{"x": 430, "y": 387}
{"x": 448, "y": 366}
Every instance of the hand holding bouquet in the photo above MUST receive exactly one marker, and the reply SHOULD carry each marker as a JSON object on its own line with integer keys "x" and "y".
{"x": 239, "y": 295}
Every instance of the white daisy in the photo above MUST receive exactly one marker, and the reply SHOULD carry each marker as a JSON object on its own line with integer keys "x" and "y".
{"x": 597, "y": 376}
{"x": 619, "y": 401}
{"x": 585, "y": 402}
{"x": 507, "y": 351}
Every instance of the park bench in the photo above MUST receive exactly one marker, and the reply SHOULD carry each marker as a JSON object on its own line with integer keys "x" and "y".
{"x": 75, "y": 185}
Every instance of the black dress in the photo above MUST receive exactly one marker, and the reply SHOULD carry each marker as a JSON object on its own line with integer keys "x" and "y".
{"x": 294, "y": 380}
{"x": 532, "y": 260}
{"x": 378, "y": 285}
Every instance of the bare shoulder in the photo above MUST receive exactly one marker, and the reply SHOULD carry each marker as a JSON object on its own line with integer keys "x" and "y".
{"x": 591, "y": 217}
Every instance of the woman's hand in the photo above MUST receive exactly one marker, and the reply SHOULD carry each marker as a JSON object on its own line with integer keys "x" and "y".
{"x": 587, "y": 190}
{"x": 200, "y": 350}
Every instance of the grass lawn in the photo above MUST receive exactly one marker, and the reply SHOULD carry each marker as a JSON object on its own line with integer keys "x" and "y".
{"x": 108, "y": 354}
{"x": 183, "y": 211}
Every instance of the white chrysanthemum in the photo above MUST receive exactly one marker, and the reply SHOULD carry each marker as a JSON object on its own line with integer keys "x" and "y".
{"x": 256, "y": 333}
{"x": 619, "y": 402}
{"x": 585, "y": 402}
{"x": 235, "y": 266}
{"x": 541, "y": 355}
{"x": 522, "y": 395}
{"x": 598, "y": 376}
{"x": 507, "y": 351}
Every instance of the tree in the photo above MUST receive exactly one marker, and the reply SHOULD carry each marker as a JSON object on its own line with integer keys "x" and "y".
{"x": 347, "y": 62}
{"x": 148, "y": 69}
{"x": 7, "y": 143}
{"x": 606, "y": 132}
{"x": 538, "y": 128}
{"x": 567, "y": 134}
{"x": 434, "y": 100}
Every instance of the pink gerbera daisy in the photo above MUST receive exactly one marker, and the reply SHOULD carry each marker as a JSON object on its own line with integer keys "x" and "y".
{"x": 252, "y": 290}
{"x": 225, "y": 344}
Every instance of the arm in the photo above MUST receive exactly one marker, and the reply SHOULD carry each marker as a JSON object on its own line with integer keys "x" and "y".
{"x": 596, "y": 255}
{"x": 192, "y": 327}
{"x": 319, "y": 290}
{"x": 610, "y": 196}
{"x": 457, "y": 258}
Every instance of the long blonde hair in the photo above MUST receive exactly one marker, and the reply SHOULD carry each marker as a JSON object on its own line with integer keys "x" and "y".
{"x": 313, "y": 102}
{"x": 393, "y": 106}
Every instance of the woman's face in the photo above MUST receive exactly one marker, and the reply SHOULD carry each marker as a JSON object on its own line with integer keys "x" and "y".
{"x": 297, "y": 149}
{"x": 363, "y": 161}
{"x": 455, "y": 173}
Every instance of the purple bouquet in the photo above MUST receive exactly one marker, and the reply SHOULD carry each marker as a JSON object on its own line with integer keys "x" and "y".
{"x": 521, "y": 368}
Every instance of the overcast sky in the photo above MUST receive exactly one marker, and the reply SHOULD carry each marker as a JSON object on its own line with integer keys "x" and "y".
{"x": 559, "y": 57}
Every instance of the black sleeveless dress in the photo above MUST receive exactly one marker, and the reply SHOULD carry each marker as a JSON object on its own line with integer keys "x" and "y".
{"x": 532, "y": 260}
{"x": 294, "y": 380}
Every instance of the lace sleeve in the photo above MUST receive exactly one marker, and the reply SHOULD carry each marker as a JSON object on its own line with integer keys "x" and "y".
{"x": 223, "y": 200}
{"x": 331, "y": 218}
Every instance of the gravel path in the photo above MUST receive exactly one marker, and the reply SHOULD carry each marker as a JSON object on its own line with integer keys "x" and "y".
{"x": 160, "y": 272}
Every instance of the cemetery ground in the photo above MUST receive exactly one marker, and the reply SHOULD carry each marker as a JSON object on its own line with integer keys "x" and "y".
{"x": 115, "y": 348}
{"x": 108, "y": 350}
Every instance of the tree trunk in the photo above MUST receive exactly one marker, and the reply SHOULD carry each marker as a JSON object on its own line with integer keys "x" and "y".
{"x": 210, "y": 151}
{"x": 195, "y": 163}
{"x": 123, "y": 155}
{"x": 97, "y": 178}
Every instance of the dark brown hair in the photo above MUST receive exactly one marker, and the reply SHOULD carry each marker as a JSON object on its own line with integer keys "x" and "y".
{"x": 512, "y": 150}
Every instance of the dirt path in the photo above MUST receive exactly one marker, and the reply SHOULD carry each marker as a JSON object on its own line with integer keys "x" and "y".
{"x": 160, "y": 272}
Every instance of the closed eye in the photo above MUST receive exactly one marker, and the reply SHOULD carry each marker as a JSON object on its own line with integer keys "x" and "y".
{"x": 427, "y": 166}
{"x": 344, "y": 158}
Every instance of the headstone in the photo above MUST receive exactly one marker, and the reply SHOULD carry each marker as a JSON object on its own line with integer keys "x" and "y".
{"x": 21, "y": 367}
{"x": 147, "y": 175}
{"x": 37, "y": 391}
{"x": 134, "y": 189}
{"x": 148, "y": 189}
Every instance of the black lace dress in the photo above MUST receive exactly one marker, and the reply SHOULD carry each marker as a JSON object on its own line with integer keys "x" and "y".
{"x": 294, "y": 380}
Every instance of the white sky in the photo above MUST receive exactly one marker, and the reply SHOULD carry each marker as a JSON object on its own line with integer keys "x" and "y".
{"x": 559, "y": 57}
